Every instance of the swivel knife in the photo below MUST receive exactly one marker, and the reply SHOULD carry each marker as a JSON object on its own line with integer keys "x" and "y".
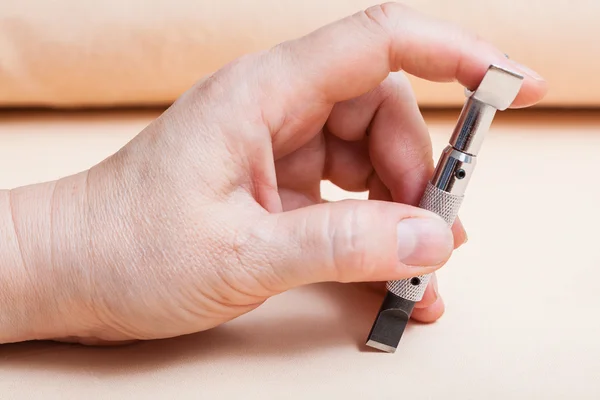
{"x": 445, "y": 192}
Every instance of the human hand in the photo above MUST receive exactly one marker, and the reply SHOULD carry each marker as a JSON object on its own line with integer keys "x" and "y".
{"x": 216, "y": 205}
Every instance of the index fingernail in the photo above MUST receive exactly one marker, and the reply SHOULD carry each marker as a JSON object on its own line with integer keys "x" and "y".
{"x": 527, "y": 71}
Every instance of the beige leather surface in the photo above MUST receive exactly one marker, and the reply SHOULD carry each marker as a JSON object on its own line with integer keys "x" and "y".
{"x": 522, "y": 295}
{"x": 89, "y": 53}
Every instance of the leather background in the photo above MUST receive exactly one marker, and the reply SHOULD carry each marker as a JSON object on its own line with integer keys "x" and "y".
{"x": 73, "y": 53}
{"x": 521, "y": 295}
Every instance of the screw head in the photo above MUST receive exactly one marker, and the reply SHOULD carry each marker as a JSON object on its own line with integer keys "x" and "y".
{"x": 415, "y": 281}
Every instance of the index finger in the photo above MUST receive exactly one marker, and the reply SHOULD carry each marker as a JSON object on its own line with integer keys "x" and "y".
{"x": 352, "y": 56}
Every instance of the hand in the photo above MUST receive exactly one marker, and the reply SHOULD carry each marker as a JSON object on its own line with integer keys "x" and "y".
{"x": 216, "y": 205}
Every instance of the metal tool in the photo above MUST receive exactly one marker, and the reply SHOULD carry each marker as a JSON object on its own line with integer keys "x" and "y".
{"x": 445, "y": 192}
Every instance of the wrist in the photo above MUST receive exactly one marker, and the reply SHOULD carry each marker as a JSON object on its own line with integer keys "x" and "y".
{"x": 40, "y": 225}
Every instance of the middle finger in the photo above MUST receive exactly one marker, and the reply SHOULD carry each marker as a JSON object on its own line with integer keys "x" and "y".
{"x": 399, "y": 144}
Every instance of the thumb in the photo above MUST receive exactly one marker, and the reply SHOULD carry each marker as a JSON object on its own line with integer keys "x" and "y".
{"x": 358, "y": 241}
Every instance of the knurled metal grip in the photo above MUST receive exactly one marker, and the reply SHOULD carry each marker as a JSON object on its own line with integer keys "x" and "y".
{"x": 446, "y": 205}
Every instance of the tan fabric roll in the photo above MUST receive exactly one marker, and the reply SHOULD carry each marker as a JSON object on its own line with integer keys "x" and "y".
{"x": 139, "y": 52}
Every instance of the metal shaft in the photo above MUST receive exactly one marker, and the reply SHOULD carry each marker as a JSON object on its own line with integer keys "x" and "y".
{"x": 445, "y": 192}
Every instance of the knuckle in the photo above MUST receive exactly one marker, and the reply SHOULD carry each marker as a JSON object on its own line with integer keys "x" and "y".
{"x": 383, "y": 20}
{"x": 396, "y": 85}
{"x": 242, "y": 247}
{"x": 217, "y": 87}
{"x": 375, "y": 18}
{"x": 385, "y": 15}
{"x": 392, "y": 8}
{"x": 379, "y": 13}
{"x": 352, "y": 250}
{"x": 252, "y": 258}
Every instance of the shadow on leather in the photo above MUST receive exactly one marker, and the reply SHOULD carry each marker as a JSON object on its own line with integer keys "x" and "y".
{"x": 300, "y": 321}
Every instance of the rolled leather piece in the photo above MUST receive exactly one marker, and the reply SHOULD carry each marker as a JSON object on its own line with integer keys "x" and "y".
{"x": 72, "y": 53}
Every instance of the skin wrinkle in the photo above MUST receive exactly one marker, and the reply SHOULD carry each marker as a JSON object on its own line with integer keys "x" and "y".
{"x": 221, "y": 254}
{"x": 89, "y": 250}
{"x": 263, "y": 181}
{"x": 15, "y": 321}
{"x": 315, "y": 125}
{"x": 251, "y": 257}
{"x": 221, "y": 273}
{"x": 373, "y": 15}
{"x": 264, "y": 233}
{"x": 306, "y": 230}
{"x": 116, "y": 275}
{"x": 229, "y": 172}
{"x": 241, "y": 163}
{"x": 196, "y": 302}
{"x": 208, "y": 302}
{"x": 52, "y": 224}
{"x": 343, "y": 260}
{"x": 367, "y": 262}
{"x": 237, "y": 246}
{"x": 59, "y": 270}
{"x": 267, "y": 194}
{"x": 356, "y": 247}
{"x": 202, "y": 292}
{"x": 286, "y": 114}
{"x": 203, "y": 307}
{"x": 459, "y": 64}
{"x": 72, "y": 212}
{"x": 272, "y": 120}
{"x": 237, "y": 295}
{"x": 16, "y": 233}
{"x": 418, "y": 164}
{"x": 280, "y": 58}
